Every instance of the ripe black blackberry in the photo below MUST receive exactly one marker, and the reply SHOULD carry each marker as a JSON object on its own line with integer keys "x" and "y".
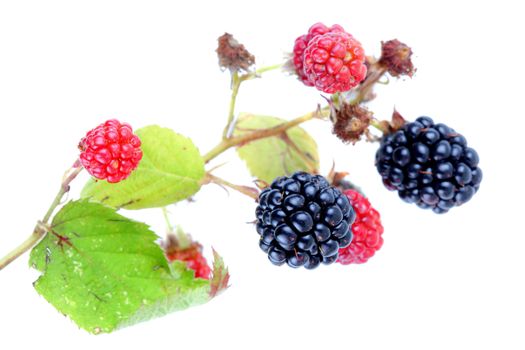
{"x": 429, "y": 165}
{"x": 303, "y": 221}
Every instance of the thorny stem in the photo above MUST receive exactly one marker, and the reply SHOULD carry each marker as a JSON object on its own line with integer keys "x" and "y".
{"x": 235, "y": 85}
{"x": 263, "y": 133}
{"x": 39, "y": 231}
{"x": 248, "y": 191}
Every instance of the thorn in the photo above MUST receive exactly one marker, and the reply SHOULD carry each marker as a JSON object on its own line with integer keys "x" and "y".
{"x": 223, "y": 187}
{"x": 331, "y": 173}
{"x": 217, "y": 167}
{"x": 319, "y": 112}
{"x": 61, "y": 240}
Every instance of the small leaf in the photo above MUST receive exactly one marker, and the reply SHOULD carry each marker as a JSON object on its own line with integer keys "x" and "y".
{"x": 171, "y": 170}
{"x": 279, "y": 155}
{"x": 220, "y": 276}
{"x": 105, "y": 271}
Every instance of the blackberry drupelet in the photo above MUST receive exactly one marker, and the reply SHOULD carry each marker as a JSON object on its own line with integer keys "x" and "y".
{"x": 429, "y": 165}
{"x": 303, "y": 221}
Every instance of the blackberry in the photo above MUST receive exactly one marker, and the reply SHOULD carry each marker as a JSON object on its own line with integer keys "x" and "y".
{"x": 303, "y": 221}
{"x": 429, "y": 165}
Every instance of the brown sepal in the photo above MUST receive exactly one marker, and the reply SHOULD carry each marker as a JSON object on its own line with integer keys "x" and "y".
{"x": 393, "y": 125}
{"x": 397, "y": 120}
{"x": 396, "y": 58}
{"x": 175, "y": 249}
{"x": 233, "y": 55}
{"x": 350, "y": 121}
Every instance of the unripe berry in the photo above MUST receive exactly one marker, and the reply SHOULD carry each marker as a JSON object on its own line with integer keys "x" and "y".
{"x": 110, "y": 151}
{"x": 367, "y": 230}
{"x": 334, "y": 62}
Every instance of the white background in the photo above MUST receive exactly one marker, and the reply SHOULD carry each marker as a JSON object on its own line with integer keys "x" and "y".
{"x": 453, "y": 281}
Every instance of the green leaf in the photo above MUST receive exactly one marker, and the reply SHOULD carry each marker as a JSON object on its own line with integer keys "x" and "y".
{"x": 105, "y": 271}
{"x": 276, "y": 156}
{"x": 171, "y": 170}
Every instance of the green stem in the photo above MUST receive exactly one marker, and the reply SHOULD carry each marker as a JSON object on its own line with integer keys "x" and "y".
{"x": 260, "y": 134}
{"x": 377, "y": 124}
{"x": 260, "y": 71}
{"x": 236, "y": 84}
{"x": 248, "y": 191}
{"x": 23, "y": 247}
{"x": 376, "y": 72}
{"x": 39, "y": 231}
{"x": 167, "y": 219}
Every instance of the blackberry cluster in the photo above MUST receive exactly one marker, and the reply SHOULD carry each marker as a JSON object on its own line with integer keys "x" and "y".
{"x": 303, "y": 221}
{"x": 429, "y": 165}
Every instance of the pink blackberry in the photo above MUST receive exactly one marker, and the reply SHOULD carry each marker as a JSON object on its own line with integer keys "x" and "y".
{"x": 110, "y": 151}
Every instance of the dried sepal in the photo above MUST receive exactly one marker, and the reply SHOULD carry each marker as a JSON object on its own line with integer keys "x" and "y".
{"x": 396, "y": 58}
{"x": 350, "y": 121}
{"x": 233, "y": 55}
{"x": 389, "y": 126}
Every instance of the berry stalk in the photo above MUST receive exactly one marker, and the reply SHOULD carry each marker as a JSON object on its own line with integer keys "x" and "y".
{"x": 377, "y": 124}
{"x": 236, "y": 84}
{"x": 375, "y": 72}
{"x": 247, "y": 191}
{"x": 226, "y": 144}
{"x": 165, "y": 213}
{"x": 40, "y": 229}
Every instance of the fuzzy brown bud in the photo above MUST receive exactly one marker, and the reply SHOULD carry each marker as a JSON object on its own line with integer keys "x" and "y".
{"x": 233, "y": 55}
{"x": 350, "y": 121}
{"x": 396, "y": 57}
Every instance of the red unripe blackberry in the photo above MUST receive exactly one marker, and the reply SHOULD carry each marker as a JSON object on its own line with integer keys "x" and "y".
{"x": 179, "y": 246}
{"x": 110, "y": 151}
{"x": 192, "y": 256}
{"x": 367, "y": 230}
{"x": 334, "y": 62}
{"x": 302, "y": 42}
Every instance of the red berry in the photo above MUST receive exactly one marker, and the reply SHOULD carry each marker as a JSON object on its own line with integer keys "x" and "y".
{"x": 302, "y": 42}
{"x": 110, "y": 151}
{"x": 334, "y": 62}
{"x": 193, "y": 258}
{"x": 367, "y": 230}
